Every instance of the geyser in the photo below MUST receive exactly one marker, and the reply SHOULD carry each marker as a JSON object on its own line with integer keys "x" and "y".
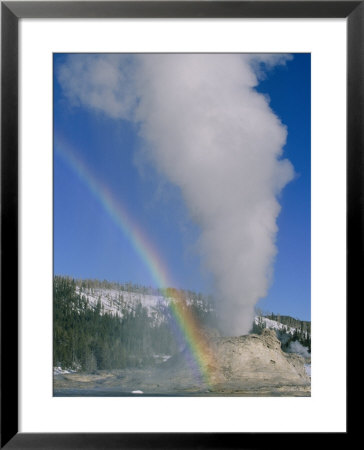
{"x": 212, "y": 134}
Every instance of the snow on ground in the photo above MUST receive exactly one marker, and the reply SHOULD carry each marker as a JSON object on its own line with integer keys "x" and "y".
{"x": 59, "y": 371}
{"x": 137, "y": 392}
{"x": 114, "y": 301}
{"x": 161, "y": 358}
{"x": 273, "y": 324}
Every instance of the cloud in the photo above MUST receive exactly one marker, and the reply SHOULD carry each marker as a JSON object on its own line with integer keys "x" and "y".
{"x": 101, "y": 82}
{"x": 212, "y": 134}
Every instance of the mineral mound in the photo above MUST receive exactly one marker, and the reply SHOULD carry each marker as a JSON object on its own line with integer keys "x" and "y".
{"x": 244, "y": 363}
{"x": 257, "y": 361}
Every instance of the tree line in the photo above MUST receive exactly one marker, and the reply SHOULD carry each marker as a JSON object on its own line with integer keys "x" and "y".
{"x": 88, "y": 339}
{"x": 85, "y": 339}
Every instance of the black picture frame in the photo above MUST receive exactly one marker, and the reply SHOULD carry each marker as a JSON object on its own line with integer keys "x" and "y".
{"x": 11, "y": 12}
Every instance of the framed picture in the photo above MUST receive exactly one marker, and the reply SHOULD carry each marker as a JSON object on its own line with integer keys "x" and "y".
{"x": 158, "y": 361}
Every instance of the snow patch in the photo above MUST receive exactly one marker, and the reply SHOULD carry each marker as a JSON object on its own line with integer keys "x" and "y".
{"x": 59, "y": 371}
{"x": 117, "y": 301}
{"x": 273, "y": 324}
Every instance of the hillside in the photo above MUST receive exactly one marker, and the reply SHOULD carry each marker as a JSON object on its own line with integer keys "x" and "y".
{"x": 118, "y": 299}
{"x": 103, "y": 325}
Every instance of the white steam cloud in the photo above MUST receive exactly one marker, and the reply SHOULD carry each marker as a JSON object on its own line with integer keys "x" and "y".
{"x": 212, "y": 134}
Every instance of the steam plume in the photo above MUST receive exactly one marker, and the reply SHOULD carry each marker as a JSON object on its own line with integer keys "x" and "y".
{"x": 213, "y": 135}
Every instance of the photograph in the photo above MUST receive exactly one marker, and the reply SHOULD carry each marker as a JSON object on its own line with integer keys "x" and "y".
{"x": 182, "y": 224}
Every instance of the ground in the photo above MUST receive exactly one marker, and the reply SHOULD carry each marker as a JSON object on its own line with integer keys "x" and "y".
{"x": 251, "y": 365}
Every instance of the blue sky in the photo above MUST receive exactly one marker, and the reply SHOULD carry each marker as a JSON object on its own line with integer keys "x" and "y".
{"x": 88, "y": 244}
{"x": 290, "y": 91}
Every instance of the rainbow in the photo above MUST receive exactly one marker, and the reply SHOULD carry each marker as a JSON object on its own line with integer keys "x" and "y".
{"x": 198, "y": 348}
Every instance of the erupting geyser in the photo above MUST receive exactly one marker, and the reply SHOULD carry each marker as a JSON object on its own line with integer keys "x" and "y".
{"x": 212, "y": 134}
